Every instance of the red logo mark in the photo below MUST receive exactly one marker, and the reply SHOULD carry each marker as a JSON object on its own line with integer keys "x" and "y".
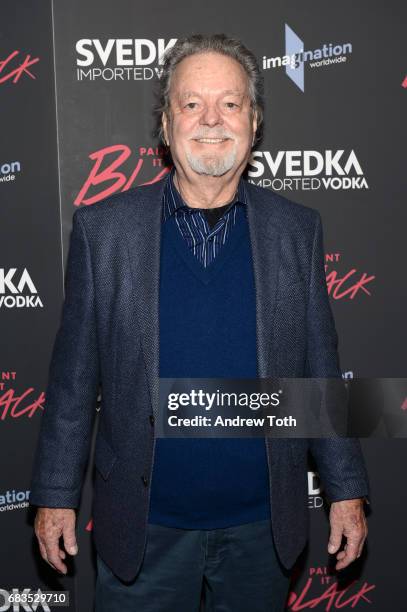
{"x": 17, "y": 72}
{"x": 16, "y": 406}
{"x": 117, "y": 180}
{"x": 340, "y": 287}
{"x": 333, "y": 597}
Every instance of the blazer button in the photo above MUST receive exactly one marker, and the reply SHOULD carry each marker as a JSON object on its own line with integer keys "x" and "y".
{"x": 152, "y": 419}
{"x": 145, "y": 480}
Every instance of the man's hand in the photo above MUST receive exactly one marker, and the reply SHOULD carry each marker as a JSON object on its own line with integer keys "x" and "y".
{"x": 347, "y": 518}
{"x": 49, "y": 525}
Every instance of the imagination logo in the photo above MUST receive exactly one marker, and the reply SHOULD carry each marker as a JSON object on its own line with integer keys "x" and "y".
{"x": 8, "y": 171}
{"x": 295, "y": 57}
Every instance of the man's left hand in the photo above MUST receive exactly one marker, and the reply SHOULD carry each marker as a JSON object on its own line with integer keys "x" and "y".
{"x": 347, "y": 517}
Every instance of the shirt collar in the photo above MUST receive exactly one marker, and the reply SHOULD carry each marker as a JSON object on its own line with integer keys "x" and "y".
{"x": 173, "y": 200}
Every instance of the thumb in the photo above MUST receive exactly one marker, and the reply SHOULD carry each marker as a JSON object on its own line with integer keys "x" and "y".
{"x": 70, "y": 540}
{"x": 335, "y": 539}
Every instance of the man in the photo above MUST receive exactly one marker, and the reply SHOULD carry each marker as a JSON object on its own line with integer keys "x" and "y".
{"x": 198, "y": 275}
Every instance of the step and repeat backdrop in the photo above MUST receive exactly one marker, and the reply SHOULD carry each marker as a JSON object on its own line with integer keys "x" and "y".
{"x": 77, "y": 92}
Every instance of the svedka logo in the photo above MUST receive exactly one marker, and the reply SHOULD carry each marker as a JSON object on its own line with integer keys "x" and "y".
{"x": 18, "y": 291}
{"x": 121, "y": 59}
{"x": 315, "y": 499}
{"x": 307, "y": 170}
{"x": 295, "y": 57}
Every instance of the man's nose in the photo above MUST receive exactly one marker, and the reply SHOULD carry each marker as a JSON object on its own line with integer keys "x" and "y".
{"x": 211, "y": 115}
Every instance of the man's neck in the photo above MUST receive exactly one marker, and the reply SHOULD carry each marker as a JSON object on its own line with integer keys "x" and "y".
{"x": 206, "y": 191}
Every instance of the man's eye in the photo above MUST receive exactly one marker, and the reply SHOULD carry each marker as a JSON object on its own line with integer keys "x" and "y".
{"x": 191, "y": 105}
{"x": 231, "y": 104}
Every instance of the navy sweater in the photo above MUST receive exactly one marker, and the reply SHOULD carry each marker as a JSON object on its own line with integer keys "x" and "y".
{"x": 208, "y": 329}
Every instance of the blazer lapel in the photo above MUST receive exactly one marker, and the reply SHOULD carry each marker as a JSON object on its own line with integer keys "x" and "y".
{"x": 265, "y": 243}
{"x": 142, "y": 228}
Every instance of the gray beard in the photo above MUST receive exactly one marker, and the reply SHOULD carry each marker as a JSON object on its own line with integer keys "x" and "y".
{"x": 212, "y": 166}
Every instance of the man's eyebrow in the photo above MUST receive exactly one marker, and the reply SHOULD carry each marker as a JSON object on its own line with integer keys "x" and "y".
{"x": 226, "y": 92}
{"x": 188, "y": 94}
{"x": 233, "y": 92}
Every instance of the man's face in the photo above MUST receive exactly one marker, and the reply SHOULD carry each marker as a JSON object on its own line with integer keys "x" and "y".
{"x": 211, "y": 125}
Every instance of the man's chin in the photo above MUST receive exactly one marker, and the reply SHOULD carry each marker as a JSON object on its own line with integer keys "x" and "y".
{"x": 212, "y": 172}
{"x": 210, "y": 166}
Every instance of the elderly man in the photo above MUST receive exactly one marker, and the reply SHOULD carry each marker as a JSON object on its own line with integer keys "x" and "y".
{"x": 198, "y": 275}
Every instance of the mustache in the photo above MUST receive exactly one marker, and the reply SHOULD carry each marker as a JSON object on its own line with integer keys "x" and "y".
{"x": 207, "y": 134}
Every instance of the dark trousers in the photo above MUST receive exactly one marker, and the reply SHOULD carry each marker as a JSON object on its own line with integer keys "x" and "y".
{"x": 187, "y": 570}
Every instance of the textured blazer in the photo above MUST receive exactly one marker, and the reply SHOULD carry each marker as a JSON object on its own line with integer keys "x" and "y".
{"x": 108, "y": 338}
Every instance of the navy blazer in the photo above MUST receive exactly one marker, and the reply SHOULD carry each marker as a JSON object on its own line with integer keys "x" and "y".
{"x": 108, "y": 337}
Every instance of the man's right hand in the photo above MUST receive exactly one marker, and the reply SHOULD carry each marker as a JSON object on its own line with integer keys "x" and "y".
{"x": 49, "y": 525}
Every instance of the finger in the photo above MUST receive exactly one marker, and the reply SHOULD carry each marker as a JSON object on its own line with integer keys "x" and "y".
{"x": 341, "y": 554}
{"x": 362, "y": 543}
{"x": 335, "y": 539}
{"x": 52, "y": 550}
{"x": 43, "y": 552}
{"x": 353, "y": 544}
{"x": 69, "y": 539}
{"x": 44, "y": 555}
{"x": 351, "y": 550}
{"x": 53, "y": 566}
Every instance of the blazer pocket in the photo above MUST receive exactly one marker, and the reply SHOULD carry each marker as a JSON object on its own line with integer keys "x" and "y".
{"x": 104, "y": 457}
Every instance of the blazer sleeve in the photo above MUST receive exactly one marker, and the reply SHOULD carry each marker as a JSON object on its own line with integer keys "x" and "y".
{"x": 340, "y": 461}
{"x": 67, "y": 422}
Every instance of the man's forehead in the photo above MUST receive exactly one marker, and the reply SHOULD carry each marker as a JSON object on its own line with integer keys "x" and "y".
{"x": 189, "y": 93}
{"x": 210, "y": 70}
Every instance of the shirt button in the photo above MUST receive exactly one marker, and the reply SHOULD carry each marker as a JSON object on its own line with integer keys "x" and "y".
{"x": 145, "y": 480}
{"x": 152, "y": 419}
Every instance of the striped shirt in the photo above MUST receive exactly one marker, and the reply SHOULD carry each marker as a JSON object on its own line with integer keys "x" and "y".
{"x": 205, "y": 242}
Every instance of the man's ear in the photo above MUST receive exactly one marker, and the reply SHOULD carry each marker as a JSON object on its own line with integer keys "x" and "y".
{"x": 254, "y": 124}
{"x": 164, "y": 123}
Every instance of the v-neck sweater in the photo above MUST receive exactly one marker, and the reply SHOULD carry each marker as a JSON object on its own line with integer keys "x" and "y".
{"x": 207, "y": 320}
